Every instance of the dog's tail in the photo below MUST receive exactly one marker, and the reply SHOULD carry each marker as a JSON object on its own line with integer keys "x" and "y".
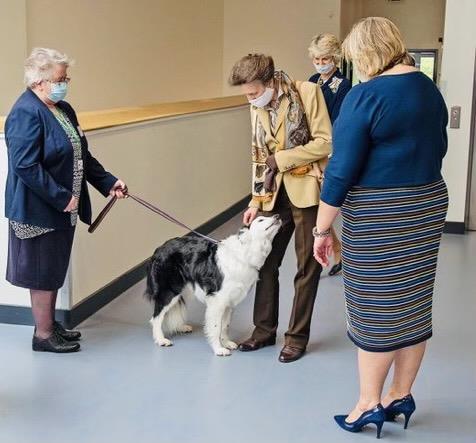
{"x": 175, "y": 318}
{"x": 153, "y": 287}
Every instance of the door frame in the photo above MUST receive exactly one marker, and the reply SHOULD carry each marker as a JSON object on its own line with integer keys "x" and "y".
{"x": 469, "y": 222}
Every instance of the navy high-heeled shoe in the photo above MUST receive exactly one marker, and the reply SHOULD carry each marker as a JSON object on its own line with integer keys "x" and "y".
{"x": 374, "y": 416}
{"x": 405, "y": 406}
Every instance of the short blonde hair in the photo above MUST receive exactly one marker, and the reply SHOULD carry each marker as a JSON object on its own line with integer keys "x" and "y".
{"x": 325, "y": 45}
{"x": 252, "y": 67}
{"x": 374, "y": 45}
{"x": 40, "y": 64}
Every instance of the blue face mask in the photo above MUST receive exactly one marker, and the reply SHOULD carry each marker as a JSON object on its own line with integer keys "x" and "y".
{"x": 58, "y": 91}
{"x": 324, "y": 69}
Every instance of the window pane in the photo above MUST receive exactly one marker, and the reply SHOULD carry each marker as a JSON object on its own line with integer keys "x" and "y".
{"x": 427, "y": 65}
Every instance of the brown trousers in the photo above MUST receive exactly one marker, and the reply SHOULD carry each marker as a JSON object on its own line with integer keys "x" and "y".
{"x": 306, "y": 281}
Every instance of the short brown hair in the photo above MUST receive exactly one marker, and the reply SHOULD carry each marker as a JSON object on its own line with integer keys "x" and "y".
{"x": 252, "y": 67}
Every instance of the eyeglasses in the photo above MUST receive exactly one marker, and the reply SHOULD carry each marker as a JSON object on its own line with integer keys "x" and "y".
{"x": 63, "y": 80}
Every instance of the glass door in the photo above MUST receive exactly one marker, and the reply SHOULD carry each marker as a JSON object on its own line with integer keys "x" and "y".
{"x": 426, "y": 60}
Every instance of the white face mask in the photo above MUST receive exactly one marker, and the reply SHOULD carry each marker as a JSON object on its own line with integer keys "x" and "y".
{"x": 324, "y": 69}
{"x": 263, "y": 99}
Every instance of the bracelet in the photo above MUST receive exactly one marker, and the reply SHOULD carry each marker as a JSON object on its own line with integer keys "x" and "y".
{"x": 320, "y": 234}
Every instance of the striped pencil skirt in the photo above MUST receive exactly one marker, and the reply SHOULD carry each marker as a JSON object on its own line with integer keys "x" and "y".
{"x": 390, "y": 242}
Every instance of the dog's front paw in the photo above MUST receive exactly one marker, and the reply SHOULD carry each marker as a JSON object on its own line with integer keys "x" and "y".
{"x": 222, "y": 352}
{"x": 164, "y": 342}
{"x": 185, "y": 329}
{"x": 230, "y": 345}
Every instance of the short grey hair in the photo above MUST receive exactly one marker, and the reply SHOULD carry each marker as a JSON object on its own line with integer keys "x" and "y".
{"x": 40, "y": 64}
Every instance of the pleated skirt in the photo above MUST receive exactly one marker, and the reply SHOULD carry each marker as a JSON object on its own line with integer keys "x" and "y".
{"x": 390, "y": 243}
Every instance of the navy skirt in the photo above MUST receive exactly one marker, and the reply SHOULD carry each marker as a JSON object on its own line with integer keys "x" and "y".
{"x": 390, "y": 244}
{"x": 40, "y": 262}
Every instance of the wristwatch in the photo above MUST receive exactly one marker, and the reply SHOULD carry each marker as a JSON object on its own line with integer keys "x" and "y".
{"x": 320, "y": 234}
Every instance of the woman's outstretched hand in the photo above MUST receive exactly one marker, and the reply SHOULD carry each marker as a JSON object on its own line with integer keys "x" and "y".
{"x": 323, "y": 249}
{"x": 249, "y": 215}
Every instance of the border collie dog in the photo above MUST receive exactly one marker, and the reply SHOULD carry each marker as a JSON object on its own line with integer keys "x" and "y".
{"x": 219, "y": 275}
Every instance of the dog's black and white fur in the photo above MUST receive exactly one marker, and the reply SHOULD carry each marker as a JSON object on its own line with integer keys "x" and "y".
{"x": 219, "y": 275}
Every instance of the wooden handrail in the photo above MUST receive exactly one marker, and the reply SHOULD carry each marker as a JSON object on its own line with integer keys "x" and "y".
{"x": 109, "y": 118}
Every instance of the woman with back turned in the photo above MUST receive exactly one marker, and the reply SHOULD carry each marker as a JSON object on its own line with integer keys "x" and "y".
{"x": 385, "y": 174}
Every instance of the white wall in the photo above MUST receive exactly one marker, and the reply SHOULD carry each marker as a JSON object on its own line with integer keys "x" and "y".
{"x": 457, "y": 87}
{"x": 9, "y": 294}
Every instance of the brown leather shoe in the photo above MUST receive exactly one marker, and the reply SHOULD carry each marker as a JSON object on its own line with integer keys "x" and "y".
{"x": 252, "y": 344}
{"x": 289, "y": 354}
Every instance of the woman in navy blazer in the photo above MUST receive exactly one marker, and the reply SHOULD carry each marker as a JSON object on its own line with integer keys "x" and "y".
{"x": 48, "y": 166}
{"x": 325, "y": 52}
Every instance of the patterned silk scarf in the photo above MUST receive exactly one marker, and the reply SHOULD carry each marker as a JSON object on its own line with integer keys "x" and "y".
{"x": 296, "y": 133}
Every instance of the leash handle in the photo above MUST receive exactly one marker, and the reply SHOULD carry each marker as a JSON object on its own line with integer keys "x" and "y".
{"x": 102, "y": 215}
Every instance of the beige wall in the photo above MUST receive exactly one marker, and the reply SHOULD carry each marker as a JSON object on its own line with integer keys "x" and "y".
{"x": 12, "y": 50}
{"x": 132, "y": 53}
{"x": 351, "y": 11}
{"x": 181, "y": 165}
{"x": 420, "y": 21}
{"x": 457, "y": 87}
{"x": 149, "y": 51}
{"x": 281, "y": 28}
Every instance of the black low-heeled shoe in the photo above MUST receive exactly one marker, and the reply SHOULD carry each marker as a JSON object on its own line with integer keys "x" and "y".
{"x": 64, "y": 333}
{"x": 405, "y": 406}
{"x": 374, "y": 416}
{"x": 54, "y": 343}
{"x": 336, "y": 269}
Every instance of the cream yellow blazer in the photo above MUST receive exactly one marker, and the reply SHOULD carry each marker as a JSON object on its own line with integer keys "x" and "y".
{"x": 303, "y": 190}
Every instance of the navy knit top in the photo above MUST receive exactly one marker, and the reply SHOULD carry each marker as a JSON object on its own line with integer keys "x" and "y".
{"x": 391, "y": 132}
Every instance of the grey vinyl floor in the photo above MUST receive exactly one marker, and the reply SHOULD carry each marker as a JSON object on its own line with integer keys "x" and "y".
{"x": 122, "y": 388}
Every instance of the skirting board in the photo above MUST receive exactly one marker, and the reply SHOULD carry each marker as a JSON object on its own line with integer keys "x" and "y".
{"x": 454, "y": 228}
{"x": 21, "y": 315}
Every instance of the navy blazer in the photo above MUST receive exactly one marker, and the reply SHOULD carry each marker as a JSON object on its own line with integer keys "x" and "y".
{"x": 40, "y": 166}
{"x": 334, "y": 90}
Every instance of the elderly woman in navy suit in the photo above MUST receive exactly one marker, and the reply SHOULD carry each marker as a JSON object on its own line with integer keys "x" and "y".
{"x": 48, "y": 167}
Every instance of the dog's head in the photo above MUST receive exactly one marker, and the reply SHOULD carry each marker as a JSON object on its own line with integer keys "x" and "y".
{"x": 265, "y": 228}
{"x": 255, "y": 241}
{"x": 259, "y": 239}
